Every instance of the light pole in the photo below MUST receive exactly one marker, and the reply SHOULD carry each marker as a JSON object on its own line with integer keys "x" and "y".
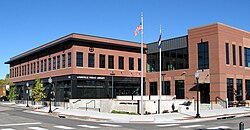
{"x": 112, "y": 75}
{"x": 50, "y": 81}
{"x": 197, "y": 93}
{"x": 27, "y": 92}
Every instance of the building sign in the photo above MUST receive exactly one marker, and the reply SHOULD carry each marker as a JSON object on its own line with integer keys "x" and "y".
{"x": 90, "y": 77}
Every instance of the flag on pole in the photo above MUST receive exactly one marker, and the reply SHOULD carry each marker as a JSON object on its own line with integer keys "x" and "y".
{"x": 138, "y": 29}
{"x": 159, "y": 42}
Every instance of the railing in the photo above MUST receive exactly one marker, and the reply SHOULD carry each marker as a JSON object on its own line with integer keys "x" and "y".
{"x": 89, "y": 103}
{"x": 222, "y": 102}
{"x": 76, "y": 101}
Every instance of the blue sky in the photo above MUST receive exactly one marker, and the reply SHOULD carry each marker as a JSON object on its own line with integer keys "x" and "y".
{"x": 26, "y": 24}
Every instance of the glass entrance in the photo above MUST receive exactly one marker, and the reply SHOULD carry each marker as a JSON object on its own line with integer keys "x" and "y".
{"x": 205, "y": 93}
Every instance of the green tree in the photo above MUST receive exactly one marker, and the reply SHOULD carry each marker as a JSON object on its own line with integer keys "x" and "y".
{"x": 38, "y": 92}
{"x": 12, "y": 94}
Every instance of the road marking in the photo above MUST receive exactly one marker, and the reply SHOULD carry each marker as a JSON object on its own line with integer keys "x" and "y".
{"x": 37, "y": 128}
{"x": 190, "y": 126}
{"x": 110, "y": 125}
{"x": 247, "y": 129}
{"x": 8, "y": 129}
{"x": 35, "y": 123}
{"x": 64, "y": 127}
{"x": 89, "y": 126}
{"x": 219, "y": 127}
{"x": 167, "y": 125}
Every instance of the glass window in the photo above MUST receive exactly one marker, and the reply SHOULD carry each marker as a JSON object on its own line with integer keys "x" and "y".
{"x": 179, "y": 89}
{"x": 239, "y": 92}
{"x": 203, "y": 55}
{"x": 49, "y": 67}
{"x": 234, "y": 55}
{"x": 41, "y": 65}
{"x": 230, "y": 89}
{"x": 166, "y": 88}
{"x": 247, "y": 57}
{"x": 28, "y": 69}
{"x": 227, "y": 53}
{"x": 63, "y": 61}
{"x": 139, "y": 64}
{"x": 31, "y": 68}
{"x": 91, "y": 60}
{"x": 131, "y": 63}
{"x": 121, "y": 62}
{"x": 102, "y": 61}
{"x": 79, "y": 59}
{"x": 69, "y": 59}
{"x": 34, "y": 65}
{"x": 111, "y": 61}
{"x": 45, "y": 65}
{"x": 37, "y": 68}
{"x": 247, "y": 89}
{"x": 58, "y": 62}
{"x": 240, "y": 55}
{"x": 54, "y": 63}
{"x": 153, "y": 88}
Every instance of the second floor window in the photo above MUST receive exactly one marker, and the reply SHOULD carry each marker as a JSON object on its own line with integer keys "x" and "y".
{"x": 58, "y": 62}
{"x": 111, "y": 61}
{"x": 37, "y": 68}
{"x": 121, "y": 62}
{"x": 131, "y": 63}
{"x": 41, "y": 65}
{"x": 91, "y": 60}
{"x": 102, "y": 61}
{"x": 49, "y": 67}
{"x": 79, "y": 59}
{"x": 234, "y": 55}
{"x": 54, "y": 63}
{"x": 139, "y": 64}
{"x": 203, "y": 55}
{"x": 69, "y": 59}
{"x": 45, "y": 65}
{"x": 227, "y": 53}
{"x": 63, "y": 61}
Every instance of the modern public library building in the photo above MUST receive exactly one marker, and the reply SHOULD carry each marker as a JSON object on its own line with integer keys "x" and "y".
{"x": 84, "y": 66}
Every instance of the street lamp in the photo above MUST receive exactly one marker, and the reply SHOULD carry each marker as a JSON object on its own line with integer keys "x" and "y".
{"x": 112, "y": 75}
{"x": 27, "y": 92}
{"x": 197, "y": 75}
{"x": 50, "y": 93}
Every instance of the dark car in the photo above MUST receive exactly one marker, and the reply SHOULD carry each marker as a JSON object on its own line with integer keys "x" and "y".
{"x": 3, "y": 98}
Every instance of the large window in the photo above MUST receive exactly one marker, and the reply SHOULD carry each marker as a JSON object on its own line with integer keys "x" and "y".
{"x": 41, "y": 66}
{"x": 69, "y": 59}
{"x": 227, "y": 53}
{"x": 49, "y": 67}
{"x": 239, "y": 92}
{"x": 121, "y": 62}
{"x": 179, "y": 89}
{"x": 111, "y": 61}
{"x": 139, "y": 64}
{"x": 230, "y": 89}
{"x": 34, "y": 65}
{"x": 234, "y": 55}
{"x": 102, "y": 61}
{"x": 28, "y": 69}
{"x": 131, "y": 63}
{"x": 31, "y": 68}
{"x": 45, "y": 65}
{"x": 203, "y": 56}
{"x": 240, "y": 55}
{"x": 91, "y": 60}
{"x": 58, "y": 62}
{"x": 166, "y": 88}
{"x": 63, "y": 61}
{"x": 79, "y": 59}
{"x": 247, "y": 57}
{"x": 153, "y": 88}
{"x": 37, "y": 68}
{"x": 54, "y": 63}
{"x": 247, "y": 89}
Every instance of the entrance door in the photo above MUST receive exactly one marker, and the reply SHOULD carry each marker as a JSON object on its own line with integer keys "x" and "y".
{"x": 205, "y": 93}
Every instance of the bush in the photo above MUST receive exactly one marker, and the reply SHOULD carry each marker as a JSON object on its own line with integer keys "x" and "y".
{"x": 123, "y": 112}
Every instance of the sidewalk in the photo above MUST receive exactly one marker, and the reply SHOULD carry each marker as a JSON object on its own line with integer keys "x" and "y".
{"x": 184, "y": 117}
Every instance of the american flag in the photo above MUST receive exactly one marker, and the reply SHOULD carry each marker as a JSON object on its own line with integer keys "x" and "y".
{"x": 137, "y": 30}
{"x": 159, "y": 41}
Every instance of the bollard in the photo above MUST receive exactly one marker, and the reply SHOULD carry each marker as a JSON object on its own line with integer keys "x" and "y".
{"x": 241, "y": 126}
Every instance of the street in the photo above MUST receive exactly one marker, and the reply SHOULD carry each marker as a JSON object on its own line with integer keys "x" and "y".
{"x": 17, "y": 119}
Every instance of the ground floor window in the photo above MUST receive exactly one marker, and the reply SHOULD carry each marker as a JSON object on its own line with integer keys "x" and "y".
{"x": 247, "y": 89}
{"x": 153, "y": 88}
{"x": 239, "y": 91}
{"x": 166, "y": 88}
{"x": 179, "y": 89}
{"x": 230, "y": 89}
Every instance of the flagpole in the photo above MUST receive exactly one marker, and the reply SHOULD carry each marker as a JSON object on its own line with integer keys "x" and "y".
{"x": 142, "y": 64}
{"x": 160, "y": 79}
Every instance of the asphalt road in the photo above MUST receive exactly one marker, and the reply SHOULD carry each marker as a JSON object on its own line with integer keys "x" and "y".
{"x": 17, "y": 119}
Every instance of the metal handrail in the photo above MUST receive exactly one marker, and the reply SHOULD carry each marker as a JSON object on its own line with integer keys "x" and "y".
{"x": 89, "y": 103}
{"x": 222, "y": 101}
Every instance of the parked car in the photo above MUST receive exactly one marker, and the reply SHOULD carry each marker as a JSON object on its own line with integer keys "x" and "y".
{"x": 3, "y": 98}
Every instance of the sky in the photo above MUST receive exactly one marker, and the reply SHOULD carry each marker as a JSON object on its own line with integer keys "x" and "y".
{"x": 26, "y": 24}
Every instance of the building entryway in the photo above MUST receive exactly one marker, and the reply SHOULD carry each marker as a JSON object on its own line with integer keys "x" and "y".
{"x": 205, "y": 92}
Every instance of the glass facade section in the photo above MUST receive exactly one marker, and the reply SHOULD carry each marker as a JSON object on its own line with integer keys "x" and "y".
{"x": 79, "y": 59}
{"x": 45, "y": 65}
{"x": 179, "y": 89}
{"x": 131, "y": 63}
{"x": 101, "y": 61}
{"x": 230, "y": 89}
{"x": 69, "y": 59}
{"x": 227, "y": 53}
{"x": 41, "y": 65}
{"x": 153, "y": 88}
{"x": 234, "y": 55}
{"x": 111, "y": 61}
{"x": 38, "y": 66}
{"x": 49, "y": 67}
{"x": 247, "y": 57}
{"x": 171, "y": 60}
{"x": 63, "y": 61}
{"x": 203, "y": 56}
{"x": 91, "y": 60}
{"x": 247, "y": 89}
{"x": 54, "y": 63}
{"x": 121, "y": 62}
{"x": 239, "y": 91}
{"x": 58, "y": 62}
{"x": 166, "y": 88}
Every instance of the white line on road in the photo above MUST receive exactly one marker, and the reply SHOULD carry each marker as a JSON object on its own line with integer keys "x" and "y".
{"x": 64, "y": 127}
{"x": 89, "y": 126}
{"x": 8, "y": 129}
{"x": 191, "y": 126}
{"x": 219, "y": 127}
{"x": 247, "y": 129}
{"x": 37, "y": 128}
{"x": 110, "y": 125}
{"x": 167, "y": 125}
{"x": 35, "y": 123}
